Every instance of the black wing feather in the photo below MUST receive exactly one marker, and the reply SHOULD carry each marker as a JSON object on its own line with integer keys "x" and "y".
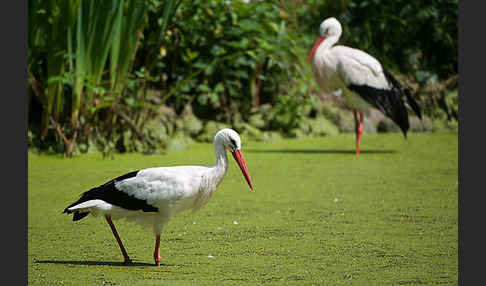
{"x": 390, "y": 101}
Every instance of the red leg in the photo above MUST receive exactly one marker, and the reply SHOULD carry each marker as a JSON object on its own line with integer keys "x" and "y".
{"x": 359, "y": 128}
{"x": 157, "y": 250}
{"x": 127, "y": 259}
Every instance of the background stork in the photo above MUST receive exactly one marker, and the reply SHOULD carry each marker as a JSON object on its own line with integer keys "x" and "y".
{"x": 362, "y": 79}
{"x": 153, "y": 196}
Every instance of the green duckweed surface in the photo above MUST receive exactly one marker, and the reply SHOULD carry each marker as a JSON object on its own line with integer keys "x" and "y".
{"x": 319, "y": 215}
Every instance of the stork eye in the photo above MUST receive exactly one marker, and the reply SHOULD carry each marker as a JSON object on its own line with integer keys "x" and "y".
{"x": 233, "y": 142}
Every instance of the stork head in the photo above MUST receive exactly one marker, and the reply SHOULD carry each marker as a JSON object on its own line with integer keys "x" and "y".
{"x": 329, "y": 28}
{"x": 232, "y": 142}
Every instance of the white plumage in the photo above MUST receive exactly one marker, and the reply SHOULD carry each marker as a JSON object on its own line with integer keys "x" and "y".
{"x": 152, "y": 196}
{"x": 360, "y": 77}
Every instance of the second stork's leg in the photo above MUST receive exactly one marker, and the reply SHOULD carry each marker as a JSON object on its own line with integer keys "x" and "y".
{"x": 359, "y": 128}
{"x": 127, "y": 259}
{"x": 157, "y": 250}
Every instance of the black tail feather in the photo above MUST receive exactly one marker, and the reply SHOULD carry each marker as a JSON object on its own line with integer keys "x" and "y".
{"x": 405, "y": 92}
{"x": 79, "y": 215}
{"x": 413, "y": 104}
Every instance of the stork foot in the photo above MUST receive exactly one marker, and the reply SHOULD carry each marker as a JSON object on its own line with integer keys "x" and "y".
{"x": 157, "y": 259}
{"x": 127, "y": 261}
{"x": 359, "y": 128}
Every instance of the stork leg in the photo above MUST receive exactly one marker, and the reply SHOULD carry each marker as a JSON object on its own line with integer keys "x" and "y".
{"x": 359, "y": 128}
{"x": 157, "y": 250}
{"x": 127, "y": 259}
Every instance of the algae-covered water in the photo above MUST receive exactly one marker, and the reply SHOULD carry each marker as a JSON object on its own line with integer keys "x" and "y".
{"x": 318, "y": 216}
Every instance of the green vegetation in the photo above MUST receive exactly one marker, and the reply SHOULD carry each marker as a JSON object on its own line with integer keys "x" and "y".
{"x": 101, "y": 73}
{"x": 318, "y": 215}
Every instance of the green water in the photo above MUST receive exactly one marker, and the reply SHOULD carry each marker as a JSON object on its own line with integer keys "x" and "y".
{"x": 318, "y": 216}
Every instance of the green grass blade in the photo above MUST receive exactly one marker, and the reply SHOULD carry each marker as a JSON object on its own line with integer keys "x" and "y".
{"x": 115, "y": 48}
{"x": 125, "y": 43}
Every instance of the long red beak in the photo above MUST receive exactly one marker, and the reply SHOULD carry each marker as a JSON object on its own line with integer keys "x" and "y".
{"x": 314, "y": 48}
{"x": 241, "y": 163}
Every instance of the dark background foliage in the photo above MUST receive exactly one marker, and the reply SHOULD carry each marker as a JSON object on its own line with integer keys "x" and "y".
{"x": 123, "y": 83}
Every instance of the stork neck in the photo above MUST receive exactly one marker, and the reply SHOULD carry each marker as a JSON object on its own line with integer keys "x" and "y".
{"x": 328, "y": 43}
{"x": 221, "y": 158}
{"x": 213, "y": 177}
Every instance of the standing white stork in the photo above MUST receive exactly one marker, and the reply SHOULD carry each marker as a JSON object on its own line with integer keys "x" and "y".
{"x": 361, "y": 78}
{"x": 152, "y": 196}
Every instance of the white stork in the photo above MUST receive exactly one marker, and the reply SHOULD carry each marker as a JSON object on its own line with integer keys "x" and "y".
{"x": 152, "y": 196}
{"x": 361, "y": 78}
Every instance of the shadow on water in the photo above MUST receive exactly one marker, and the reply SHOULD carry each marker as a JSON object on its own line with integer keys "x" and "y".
{"x": 314, "y": 151}
{"x": 100, "y": 263}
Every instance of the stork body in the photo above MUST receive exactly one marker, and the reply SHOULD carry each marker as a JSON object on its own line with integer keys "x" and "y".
{"x": 151, "y": 197}
{"x": 363, "y": 81}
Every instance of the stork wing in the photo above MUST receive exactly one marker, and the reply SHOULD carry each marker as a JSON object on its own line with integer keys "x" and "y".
{"x": 168, "y": 184}
{"x": 109, "y": 193}
{"x": 359, "y": 68}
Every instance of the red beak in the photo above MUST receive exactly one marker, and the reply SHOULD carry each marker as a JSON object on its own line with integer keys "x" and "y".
{"x": 241, "y": 163}
{"x": 314, "y": 48}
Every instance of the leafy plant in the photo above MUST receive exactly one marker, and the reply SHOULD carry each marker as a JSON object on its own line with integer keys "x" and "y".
{"x": 227, "y": 58}
{"x": 80, "y": 58}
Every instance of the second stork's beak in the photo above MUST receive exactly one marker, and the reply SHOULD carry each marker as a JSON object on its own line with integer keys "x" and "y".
{"x": 241, "y": 163}
{"x": 314, "y": 48}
